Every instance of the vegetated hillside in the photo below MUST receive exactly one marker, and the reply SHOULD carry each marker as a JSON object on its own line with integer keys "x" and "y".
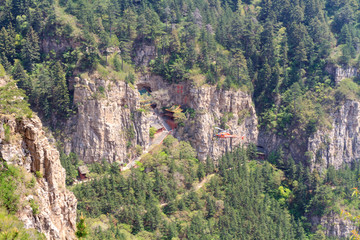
{"x": 282, "y": 52}
{"x": 172, "y": 195}
{"x": 276, "y": 49}
{"x": 14, "y": 182}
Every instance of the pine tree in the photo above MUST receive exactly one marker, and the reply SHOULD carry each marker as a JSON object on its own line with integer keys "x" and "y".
{"x": 209, "y": 165}
{"x": 200, "y": 172}
{"x": 81, "y": 232}
{"x": 7, "y": 44}
{"x": 61, "y": 100}
{"x": 137, "y": 223}
{"x": 23, "y": 80}
{"x": 30, "y": 52}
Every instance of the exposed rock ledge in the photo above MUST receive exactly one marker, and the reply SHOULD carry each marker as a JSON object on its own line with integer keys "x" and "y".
{"x": 341, "y": 73}
{"x": 107, "y": 122}
{"x": 30, "y": 148}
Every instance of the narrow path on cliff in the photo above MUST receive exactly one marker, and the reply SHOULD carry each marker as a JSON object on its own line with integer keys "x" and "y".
{"x": 159, "y": 137}
{"x": 195, "y": 187}
{"x": 156, "y": 141}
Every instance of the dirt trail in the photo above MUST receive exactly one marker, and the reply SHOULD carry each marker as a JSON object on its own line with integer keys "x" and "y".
{"x": 195, "y": 187}
{"x": 205, "y": 180}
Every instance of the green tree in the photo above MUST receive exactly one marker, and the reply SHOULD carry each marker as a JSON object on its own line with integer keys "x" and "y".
{"x": 60, "y": 93}
{"x": 81, "y": 229}
{"x": 30, "y": 52}
{"x": 200, "y": 172}
{"x": 7, "y": 44}
{"x": 23, "y": 80}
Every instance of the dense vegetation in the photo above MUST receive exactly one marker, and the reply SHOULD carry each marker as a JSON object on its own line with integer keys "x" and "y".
{"x": 172, "y": 195}
{"x": 13, "y": 181}
{"x": 13, "y": 100}
{"x": 279, "y": 51}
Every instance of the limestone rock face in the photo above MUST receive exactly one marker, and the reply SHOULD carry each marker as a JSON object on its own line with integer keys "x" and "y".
{"x": 334, "y": 225}
{"x": 29, "y": 147}
{"x": 341, "y": 73}
{"x": 341, "y": 144}
{"x": 144, "y": 54}
{"x": 211, "y": 106}
{"x": 102, "y": 128}
{"x": 335, "y": 146}
{"x": 107, "y": 122}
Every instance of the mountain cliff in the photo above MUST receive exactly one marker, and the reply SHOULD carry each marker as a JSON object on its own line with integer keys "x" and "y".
{"x": 49, "y": 208}
{"x": 341, "y": 144}
{"x": 107, "y": 123}
{"x": 111, "y": 121}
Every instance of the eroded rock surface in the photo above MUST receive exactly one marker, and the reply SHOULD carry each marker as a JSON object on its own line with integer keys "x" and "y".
{"x": 109, "y": 111}
{"x": 211, "y": 107}
{"x": 334, "y": 225}
{"x": 340, "y": 73}
{"x": 341, "y": 144}
{"x": 27, "y": 146}
{"x": 107, "y": 125}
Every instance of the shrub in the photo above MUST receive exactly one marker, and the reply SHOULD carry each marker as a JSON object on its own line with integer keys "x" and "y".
{"x": 130, "y": 78}
{"x": 9, "y": 175}
{"x": 101, "y": 89}
{"x": 39, "y": 174}
{"x": 2, "y": 71}
{"x": 191, "y": 112}
{"x": 34, "y": 206}
{"x": 130, "y": 133}
{"x": 7, "y": 133}
{"x": 139, "y": 150}
{"x": 152, "y": 132}
{"x": 347, "y": 89}
{"x": 31, "y": 183}
{"x": 12, "y": 101}
{"x": 117, "y": 63}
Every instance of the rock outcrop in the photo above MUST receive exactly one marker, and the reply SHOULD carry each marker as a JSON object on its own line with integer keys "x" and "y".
{"x": 334, "y": 146}
{"x": 107, "y": 125}
{"x": 341, "y": 144}
{"x": 340, "y": 73}
{"x": 144, "y": 53}
{"x": 211, "y": 107}
{"x": 24, "y": 143}
{"x": 334, "y": 225}
{"x": 109, "y": 122}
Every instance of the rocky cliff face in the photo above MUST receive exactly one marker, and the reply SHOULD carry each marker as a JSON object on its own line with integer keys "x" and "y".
{"x": 335, "y": 146}
{"x": 107, "y": 125}
{"x": 211, "y": 107}
{"x": 26, "y": 145}
{"x": 340, "y": 73}
{"x": 334, "y": 225}
{"x": 110, "y": 123}
{"x": 341, "y": 144}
